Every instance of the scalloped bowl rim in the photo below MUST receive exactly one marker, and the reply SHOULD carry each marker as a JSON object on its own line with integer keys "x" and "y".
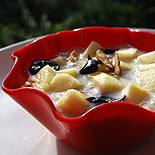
{"x": 45, "y": 96}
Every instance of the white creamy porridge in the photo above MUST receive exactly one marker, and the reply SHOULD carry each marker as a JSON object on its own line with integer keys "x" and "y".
{"x": 78, "y": 81}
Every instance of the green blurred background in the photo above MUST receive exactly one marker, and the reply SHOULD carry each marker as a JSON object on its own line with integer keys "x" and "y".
{"x": 24, "y": 19}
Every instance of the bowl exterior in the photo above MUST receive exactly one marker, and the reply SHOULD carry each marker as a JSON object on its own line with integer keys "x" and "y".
{"x": 111, "y": 127}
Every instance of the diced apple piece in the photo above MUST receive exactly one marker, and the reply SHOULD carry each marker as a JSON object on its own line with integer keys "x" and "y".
{"x": 44, "y": 77}
{"x": 70, "y": 71}
{"x": 135, "y": 94}
{"x": 146, "y": 67}
{"x": 91, "y": 49}
{"x": 107, "y": 83}
{"x": 103, "y": 68}
{"x": 60, "y": 61}
{"x": 63, "y": 82}
{"x": 125, "y": 66}
{"x": 147, "y": 79}
{"x": 147, "y": 58}
{"x": 73, "y": 103}
{"x": 127, "y": 53}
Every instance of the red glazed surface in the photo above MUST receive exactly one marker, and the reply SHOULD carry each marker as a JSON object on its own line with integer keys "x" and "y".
{"x": 110, "y": 127}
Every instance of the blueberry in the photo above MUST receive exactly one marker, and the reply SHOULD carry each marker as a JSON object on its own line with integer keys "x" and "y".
{"x": 52, "y": 64}
{"x": 90, "y": 67}
{"x": 108, "y": 51}
{"x": 98, "y": 100}
{"x": 121, "y": 99}
{"x": 37, "y": 65}
{"x": 103, "y": 99}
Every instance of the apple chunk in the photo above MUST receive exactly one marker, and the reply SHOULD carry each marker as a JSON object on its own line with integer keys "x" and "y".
{"x": 44, "y": 78}
{"x": 135, "y": 94}
{"x": 107, "y": 83}
{"x": 147, "y": 58}
{"x": 147, "y": 79}
{"x": 73, "y": 103}
{"x": 63, "y": 82}
{"x": 146, "y": 76}
{"x": 145, "y": 67}
{"x": 125, "y": 66}
{"x": 70, "y": 71}
{"x": 60, "y": 61}
{"x": 127, "y": 53}
{"x": 91, "y": 49}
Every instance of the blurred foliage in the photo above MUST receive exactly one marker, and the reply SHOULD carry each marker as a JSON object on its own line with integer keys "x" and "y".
{"x": 24, "y": 19}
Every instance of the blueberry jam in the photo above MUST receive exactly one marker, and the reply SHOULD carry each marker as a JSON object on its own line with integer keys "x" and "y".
{"x": 37, "y": 65}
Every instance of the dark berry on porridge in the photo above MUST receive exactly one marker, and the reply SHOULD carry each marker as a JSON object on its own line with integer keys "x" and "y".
{"x": 37, "y": 65}
{"x": 91, "y": 66}
{"x": 103, "y": 99}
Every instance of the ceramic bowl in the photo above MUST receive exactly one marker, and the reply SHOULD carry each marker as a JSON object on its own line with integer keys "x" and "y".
{"x": 110, "y": 127}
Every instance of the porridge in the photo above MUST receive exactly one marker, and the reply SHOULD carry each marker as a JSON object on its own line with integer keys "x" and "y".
{"x": 77, "y": 81}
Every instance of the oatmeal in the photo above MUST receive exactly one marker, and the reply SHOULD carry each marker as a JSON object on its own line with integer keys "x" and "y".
{"x": 77, "y": 81}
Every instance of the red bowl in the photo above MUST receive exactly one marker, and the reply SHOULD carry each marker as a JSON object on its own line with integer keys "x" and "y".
{"x": 110, "y": 127}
